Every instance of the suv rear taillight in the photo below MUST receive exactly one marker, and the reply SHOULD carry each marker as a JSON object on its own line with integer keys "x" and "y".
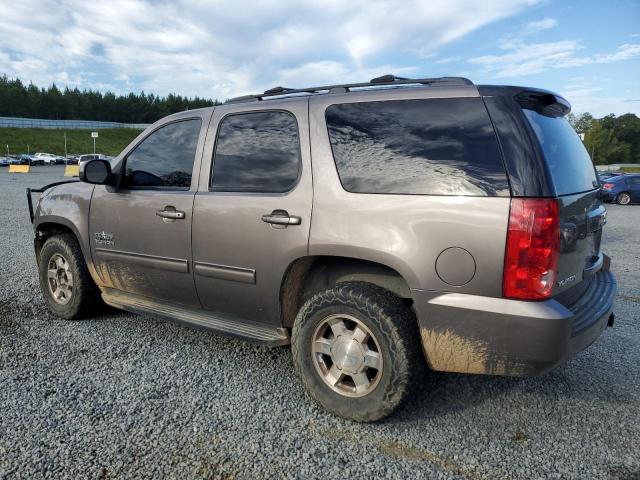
{"x": 608, "y": 186}
{"x": 531, "y": 256}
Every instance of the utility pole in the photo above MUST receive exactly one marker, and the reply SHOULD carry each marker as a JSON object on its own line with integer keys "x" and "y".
{"x": 28, "y": 150}
{"x": 65, "y": 144}
{"x": 7, "y": 149}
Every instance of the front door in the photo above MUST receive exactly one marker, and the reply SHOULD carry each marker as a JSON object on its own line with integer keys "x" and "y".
{"x": 252, "y": 211}
{"x": 141, "y": 232}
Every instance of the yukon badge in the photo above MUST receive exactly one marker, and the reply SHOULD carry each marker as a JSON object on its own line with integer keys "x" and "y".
{"x": 103, "y": 238}
{"x": 564, "y": 281}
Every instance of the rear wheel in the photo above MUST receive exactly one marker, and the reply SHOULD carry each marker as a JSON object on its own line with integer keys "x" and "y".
{"x": 623, "y": 198}
{"x": 356, "y": 348}
{"x": 66, "y": 284}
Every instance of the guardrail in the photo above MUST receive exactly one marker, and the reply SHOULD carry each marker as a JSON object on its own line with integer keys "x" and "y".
{"x": 17, "y": 122}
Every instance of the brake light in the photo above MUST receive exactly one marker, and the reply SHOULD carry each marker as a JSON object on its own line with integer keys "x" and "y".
{"x": 531, "y": 256}
{"x": 608, "y": 186}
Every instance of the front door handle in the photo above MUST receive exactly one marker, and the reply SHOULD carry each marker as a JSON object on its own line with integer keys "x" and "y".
{"x": 281, "y": 217}
{"x": 170, "y": 213}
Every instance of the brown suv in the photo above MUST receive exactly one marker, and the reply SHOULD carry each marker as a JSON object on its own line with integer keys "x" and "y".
{"x": 370, "y": 225}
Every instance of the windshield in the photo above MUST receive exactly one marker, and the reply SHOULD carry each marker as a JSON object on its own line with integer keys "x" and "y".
{"x": 568, "y": 161}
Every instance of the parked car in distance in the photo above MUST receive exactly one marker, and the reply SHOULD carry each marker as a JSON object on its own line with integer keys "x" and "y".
{"x": 91, "y": 156}
{"x": 622, "y": 189}
{"x": 49, "y": 158}
{"x": 26, "y": 159}
{"x": 72, "y": 159}
{"x": 5, "y": 161}
{"x": 604, "y": 175}
{"x": 455, "y": 226}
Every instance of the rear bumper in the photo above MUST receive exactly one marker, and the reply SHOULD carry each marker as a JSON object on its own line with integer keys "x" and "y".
{"x": 497, "y": 336}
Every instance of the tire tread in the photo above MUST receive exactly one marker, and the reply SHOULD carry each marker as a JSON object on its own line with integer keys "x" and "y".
{"x": 397, "y": 324}
{"x": 87, "y": 295}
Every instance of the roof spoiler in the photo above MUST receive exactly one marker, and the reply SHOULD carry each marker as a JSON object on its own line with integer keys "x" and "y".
{"x": 544, "y": 102}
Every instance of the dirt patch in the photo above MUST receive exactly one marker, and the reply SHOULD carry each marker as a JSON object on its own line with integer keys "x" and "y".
{"x": 447, "y": 351}
{"x": 519, "y": 437}
{"x": 629, "y": 298}
{"x": 400, "y": 451}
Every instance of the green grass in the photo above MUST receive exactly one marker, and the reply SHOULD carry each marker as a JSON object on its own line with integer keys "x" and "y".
{"x": 111, "y": 141}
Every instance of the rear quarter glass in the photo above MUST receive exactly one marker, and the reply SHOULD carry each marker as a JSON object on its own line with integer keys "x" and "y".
{"x": 568, "y": 162}
{"x": 443, "y": 146}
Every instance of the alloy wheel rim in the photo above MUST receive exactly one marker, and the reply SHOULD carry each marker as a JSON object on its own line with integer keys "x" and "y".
{"x": 59, "y": 279}
{"x": 624, "y": 198}
{"x": 347, "y": 355}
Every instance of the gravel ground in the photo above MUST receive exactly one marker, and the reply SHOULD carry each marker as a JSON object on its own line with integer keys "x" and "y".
{"x": 122, "y": 396}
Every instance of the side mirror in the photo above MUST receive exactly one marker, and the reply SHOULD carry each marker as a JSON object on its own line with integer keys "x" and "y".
{"x": 97, "y": 172}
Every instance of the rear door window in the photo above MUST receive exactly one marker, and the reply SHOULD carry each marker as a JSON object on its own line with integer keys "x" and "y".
{"x": 633, "y": 181}
{"x": 569, "y": 163}
{"x": 257, "y": 152}
{"x": 443, "y": 146}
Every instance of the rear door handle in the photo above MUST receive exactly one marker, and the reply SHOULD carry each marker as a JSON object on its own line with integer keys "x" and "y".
{"x": 170, "y": 213}
{"x": 281, "y": 217}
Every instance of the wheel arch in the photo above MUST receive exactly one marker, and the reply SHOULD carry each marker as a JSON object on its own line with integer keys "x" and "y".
{"x": 623, "y": 192}
{"x": 47, "y": 227}
{"x": 308, "y": 275}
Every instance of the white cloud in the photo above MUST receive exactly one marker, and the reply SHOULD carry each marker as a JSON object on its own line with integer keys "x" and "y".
{"x": 221, "y": 48}
{"x": 531, "y": 58}
{"x": 594, "y": 101}
{"x": 447, "y": 60}
{"x": 544, "y": 24}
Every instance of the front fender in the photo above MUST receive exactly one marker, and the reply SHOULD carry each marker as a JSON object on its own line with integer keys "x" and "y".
{"x": 68, "y": 206}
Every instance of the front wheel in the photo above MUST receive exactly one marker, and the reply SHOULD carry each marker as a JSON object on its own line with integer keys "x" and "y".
{"x": 356, "y": 348}
{"x": 623, "y": 198}
{"x": 66, "y": 284}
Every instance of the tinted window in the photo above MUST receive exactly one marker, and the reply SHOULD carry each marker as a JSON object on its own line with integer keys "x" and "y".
{"x": 633, "y": 180}
{"x": 165, "y": 158}
{"x": 257, "y": 152}
{"x": 569, "y": 163}
{"x": 435, "y": 147}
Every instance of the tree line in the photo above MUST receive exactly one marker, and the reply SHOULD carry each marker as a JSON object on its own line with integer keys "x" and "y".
{"x": 29, "y": 101}
{"x": 610, "y": 139}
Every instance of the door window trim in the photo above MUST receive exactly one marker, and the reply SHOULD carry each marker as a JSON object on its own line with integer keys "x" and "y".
{"x": 253, "y": 192}
{"x": 120, "y": 187}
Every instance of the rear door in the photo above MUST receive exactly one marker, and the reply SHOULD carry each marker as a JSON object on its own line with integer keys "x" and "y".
{"x": 582, "y": 213}
{"x": 252, "y": 210}
{"x": 633, "y": 184}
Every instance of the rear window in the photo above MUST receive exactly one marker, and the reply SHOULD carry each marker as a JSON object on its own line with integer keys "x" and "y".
{"x": 569, "y": 163}
{"x": 443, "y": 146}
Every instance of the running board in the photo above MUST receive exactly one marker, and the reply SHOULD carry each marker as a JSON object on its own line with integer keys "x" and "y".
{"x": 222, "y": 324}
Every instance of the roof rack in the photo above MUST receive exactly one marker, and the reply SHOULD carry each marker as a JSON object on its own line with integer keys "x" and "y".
{"x": 383, "y": 81}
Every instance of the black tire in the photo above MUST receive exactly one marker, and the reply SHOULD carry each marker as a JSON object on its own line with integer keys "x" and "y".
{"x": 85, "y": 295}
{"x": 623, "y": 198}
{"x": 395, "y": 330}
